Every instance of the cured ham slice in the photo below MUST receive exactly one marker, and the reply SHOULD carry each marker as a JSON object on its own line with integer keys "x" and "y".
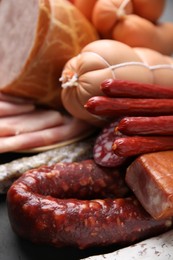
{"x": 13, "y": 99}
{"x": 10, "y": 109}
{"x": 71, "y": 128}
{"x": 35, "y": 120}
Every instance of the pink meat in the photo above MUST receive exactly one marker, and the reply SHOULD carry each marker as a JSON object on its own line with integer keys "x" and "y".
{"x": 10, "y": 109}
{"x": 71, "y": 128}
{"x": 103, "y": 152}
{"x": 30, "y": 122}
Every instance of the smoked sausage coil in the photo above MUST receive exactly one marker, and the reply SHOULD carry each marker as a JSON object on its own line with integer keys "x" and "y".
{"x": 159, "y": 125}
{"x": 40, "y": 198}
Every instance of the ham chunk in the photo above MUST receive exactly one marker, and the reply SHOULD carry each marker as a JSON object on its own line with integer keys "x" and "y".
{"x": 150, "y": 177}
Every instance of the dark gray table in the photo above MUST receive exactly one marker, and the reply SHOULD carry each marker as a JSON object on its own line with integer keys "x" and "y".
{"x": 14, "y": 248}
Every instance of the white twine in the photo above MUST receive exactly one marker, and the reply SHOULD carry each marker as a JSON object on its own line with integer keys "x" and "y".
{"x": 120, "y": 11}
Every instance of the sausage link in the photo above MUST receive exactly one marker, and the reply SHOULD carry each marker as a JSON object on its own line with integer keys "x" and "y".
{"x": 135, "y": 145}
{"x": 133, "y": 89}
{"x": 159, "y": 125}
{"x": 102, "y": 151}
{"x": 38, "y": 213}
{"x": 111, "y": 107}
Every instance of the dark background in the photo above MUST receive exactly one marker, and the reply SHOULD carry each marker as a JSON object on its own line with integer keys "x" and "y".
{"x": 14, "y": 248}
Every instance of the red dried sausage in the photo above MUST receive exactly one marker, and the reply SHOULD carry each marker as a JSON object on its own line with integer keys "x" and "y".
{"x": 116, "y": 107}
{"x": 126, "y": 88}
{"x": 39, "y": 211}
{"x": 134, "y": 145}
{"x": 159, "y": 125}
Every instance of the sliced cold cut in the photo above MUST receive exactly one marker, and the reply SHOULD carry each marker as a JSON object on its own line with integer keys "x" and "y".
{"x": 71, "y": 128}
{"x": 38, "y": 119}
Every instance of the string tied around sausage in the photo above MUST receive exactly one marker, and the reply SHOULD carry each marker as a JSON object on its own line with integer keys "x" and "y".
{"x": 121, "y": 10}
{"x": 70, "y": 78}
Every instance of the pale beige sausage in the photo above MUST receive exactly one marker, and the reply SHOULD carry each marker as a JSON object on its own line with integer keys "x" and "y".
{"x": 103, "y": 59}
{"x": 136, "y": 31}
{"x": 135, "y": 23}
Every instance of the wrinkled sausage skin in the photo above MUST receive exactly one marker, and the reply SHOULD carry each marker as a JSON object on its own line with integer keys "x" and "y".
{"x": 46, "y": 207}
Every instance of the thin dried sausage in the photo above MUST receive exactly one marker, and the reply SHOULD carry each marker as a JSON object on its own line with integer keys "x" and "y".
{"x": 135, "y": 145}
{"x": 116, "y": 107}
{"x": 159, "y": 125}
{"x": 133, "y": 89}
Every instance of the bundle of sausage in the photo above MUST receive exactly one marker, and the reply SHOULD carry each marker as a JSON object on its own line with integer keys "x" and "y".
{"x": 136, "y": 101}
{"x": 109, "y": 81}
{"x": 135, "y": 23}
{"x": 98, "y": 61}
{"x": 148, "y": 128}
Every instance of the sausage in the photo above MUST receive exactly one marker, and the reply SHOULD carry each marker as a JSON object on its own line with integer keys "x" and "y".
{"x": 102, "y": 151}
{"x": 109, "y": 59}
{"x": 31, "y": 56}
{"x": 86, "y": 7}
{"x": 134, "y": 23}
{"x": 101, "y": 11}
{"x": 132, "y": 89}
{"x": 107, "y": 13}
{"x": 150, "y": 177}
{"x": 159, "y": 125}
{"x": 135, "y": 145}
{"x": 151, "y": 10}
{"x": 52, "y": 201}
{"x": 118, "y": 107}
{"x": 136, "y": 31}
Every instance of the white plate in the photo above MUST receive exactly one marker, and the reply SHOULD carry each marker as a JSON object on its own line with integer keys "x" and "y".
{"x": 156, "y": 248}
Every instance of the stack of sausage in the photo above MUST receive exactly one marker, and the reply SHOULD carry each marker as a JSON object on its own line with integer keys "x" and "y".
{"x": 149, "y": 126}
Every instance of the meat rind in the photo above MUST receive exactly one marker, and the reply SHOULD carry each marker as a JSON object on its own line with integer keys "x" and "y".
{"x": 150, "y": 177}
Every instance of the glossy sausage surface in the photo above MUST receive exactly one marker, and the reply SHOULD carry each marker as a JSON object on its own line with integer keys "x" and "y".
{"x": 52, "y": 201}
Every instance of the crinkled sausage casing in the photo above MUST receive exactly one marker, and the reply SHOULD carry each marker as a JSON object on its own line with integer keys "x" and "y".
{"x": 48, "y": 206}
